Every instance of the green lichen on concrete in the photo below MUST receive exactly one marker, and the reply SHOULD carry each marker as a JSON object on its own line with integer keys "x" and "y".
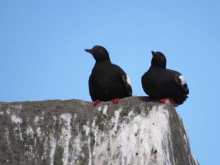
{"x": 39, "y": 149}
{"x": 28, "y": 140}
{"x": 101, "y": 125}
{"x": 5, "y": 157}
{"x": 100, "y": 122}
{"x": 58, "y": 156}
{"x": 45, "y": 162}
{"x": 92, "y": 139}
{"x": 82, "y": 160}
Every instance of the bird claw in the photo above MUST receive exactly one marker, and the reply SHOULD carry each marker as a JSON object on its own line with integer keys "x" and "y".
{"x": 171, "y": 99}
{"x": 115, "y": 101}
{"x": 96, "y": 102}
{"x": 163, "y": 100}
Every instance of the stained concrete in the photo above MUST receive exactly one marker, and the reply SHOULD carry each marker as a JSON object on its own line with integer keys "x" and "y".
{"x": 55, "y": 132}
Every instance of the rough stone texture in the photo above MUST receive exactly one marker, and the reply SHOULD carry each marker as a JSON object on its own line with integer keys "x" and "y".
{"x": 54, "y": 132}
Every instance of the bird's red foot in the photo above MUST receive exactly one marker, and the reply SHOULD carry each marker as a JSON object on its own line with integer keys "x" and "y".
{"x": 115, "y": 101}
{"x": 96, "y": 102}
{"x": 171, "y": 99}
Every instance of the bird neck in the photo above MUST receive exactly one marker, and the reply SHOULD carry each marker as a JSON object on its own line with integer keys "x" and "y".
{"x": 104, "y": 62}
{"x": 157, "y": 67}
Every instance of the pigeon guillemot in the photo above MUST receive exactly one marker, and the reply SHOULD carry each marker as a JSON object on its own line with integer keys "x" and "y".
{"x": 161, "y": 83}
{"x": 107, "y": 81}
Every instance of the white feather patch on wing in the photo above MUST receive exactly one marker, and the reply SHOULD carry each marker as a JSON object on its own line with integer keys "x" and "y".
{"x": 182, "y": 79}
{"x": 128, "y": 80}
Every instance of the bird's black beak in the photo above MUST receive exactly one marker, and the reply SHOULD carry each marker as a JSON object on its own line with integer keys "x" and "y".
{"x": 153, "y": 53}
{"x": 88, "y": 50}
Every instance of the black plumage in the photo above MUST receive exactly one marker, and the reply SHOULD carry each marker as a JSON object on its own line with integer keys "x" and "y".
{"x": 107, "y": 81}
{"x": 159, "y": 82}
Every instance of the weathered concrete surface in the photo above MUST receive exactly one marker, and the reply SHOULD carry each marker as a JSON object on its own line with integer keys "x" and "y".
{"x": 133, "y": 132}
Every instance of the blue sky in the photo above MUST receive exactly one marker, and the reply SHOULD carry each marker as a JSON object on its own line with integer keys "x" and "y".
{"x": 42, "y": 53}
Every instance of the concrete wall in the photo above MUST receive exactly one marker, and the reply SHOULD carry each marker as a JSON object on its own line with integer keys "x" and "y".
{"x": 74, "y": 132}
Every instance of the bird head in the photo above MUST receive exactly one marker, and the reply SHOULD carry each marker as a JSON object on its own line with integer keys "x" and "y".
{"x": 158, "y": 59}
{"x": 99, "y": 53}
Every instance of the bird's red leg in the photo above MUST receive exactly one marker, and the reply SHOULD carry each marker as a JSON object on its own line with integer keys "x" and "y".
{"x": 163, "y": 100}
{"x": 149, "y": 99}
{"x": 115, "y": 101}
{"x": 173, "y": 102}
{"x": 171, "y": 99}
{"x": 96, "y": 102}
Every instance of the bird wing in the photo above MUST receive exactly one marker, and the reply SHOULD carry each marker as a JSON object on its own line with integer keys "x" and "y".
{"x": 127, "y": 84}
{"x": 181, "y": 81}
{"x": 92, "y": 89}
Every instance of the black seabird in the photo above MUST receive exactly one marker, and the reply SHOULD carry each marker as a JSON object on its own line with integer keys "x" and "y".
{"x": 107, "y": 81}
{"x": 161, "y": 83}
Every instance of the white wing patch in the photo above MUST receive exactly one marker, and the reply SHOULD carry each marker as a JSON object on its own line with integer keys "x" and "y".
{"x": 182, "y": 79}
{"x": 128, "y": 80}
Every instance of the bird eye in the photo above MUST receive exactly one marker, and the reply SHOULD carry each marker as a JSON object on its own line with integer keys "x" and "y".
{"x": 162, "y": 58}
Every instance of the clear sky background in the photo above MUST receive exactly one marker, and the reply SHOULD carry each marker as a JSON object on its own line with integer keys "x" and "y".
{"x": 42, "y": 53}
